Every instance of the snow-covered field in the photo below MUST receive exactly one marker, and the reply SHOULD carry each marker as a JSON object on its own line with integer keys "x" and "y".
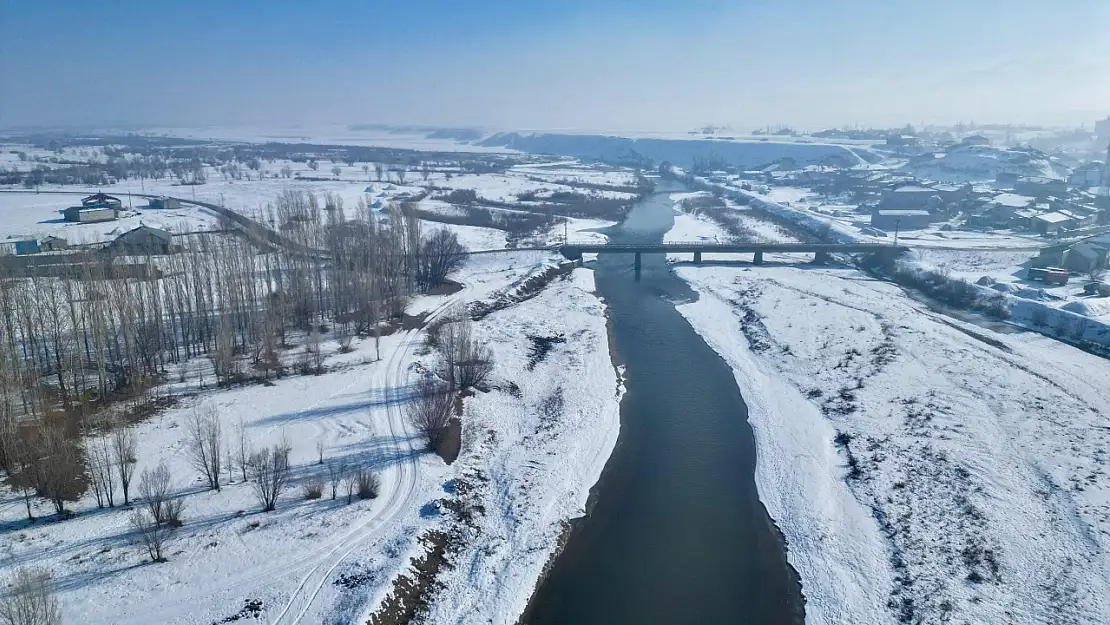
{"x": 968, "y": 481}
{"x": 31, "y": 215}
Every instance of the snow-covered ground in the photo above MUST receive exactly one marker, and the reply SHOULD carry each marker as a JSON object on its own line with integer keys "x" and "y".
{"x": 968, "y": 484}
{"x": 35, "y": 216}
{"x": 541, "y": 442}
{"x": 540, "y": 449}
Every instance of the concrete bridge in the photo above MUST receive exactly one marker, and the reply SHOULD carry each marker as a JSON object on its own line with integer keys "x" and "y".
{"x": 821, "y": 251}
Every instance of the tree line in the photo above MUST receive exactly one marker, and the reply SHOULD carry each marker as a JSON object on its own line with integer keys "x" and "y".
{"x": 75, "y": 344}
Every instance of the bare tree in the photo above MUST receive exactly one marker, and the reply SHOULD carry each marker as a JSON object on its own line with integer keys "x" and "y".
{"x": 153, "y": 534}
{"x": 270, "y": 474}
{"x": 425, "y": 170}
{"x": 366, "y": 170}
{"x": 242, "y": 449}
{"x": 319, "y": 452}
{"x": 467, "y": 363}
{"x": 203, "y": 443}
{"x": 379, "y": 169}
{"x": 286, "y": 171}
{"x": 335, "y": 171}
{"x": 430, "y": 411}
{"x": 1095, "y": 274}
{"x": 124, "y": 448}
{"x": 55, "y": 467}
{"x": 350, "y": 483}
{"x": 336, "y": 471}
{"x": 440, "y": 254}
{"x": 154, "y": 488}
{"x": 98, "y": 460}
{"x": 31, "y": 600}
{"x": 313, "y": 165}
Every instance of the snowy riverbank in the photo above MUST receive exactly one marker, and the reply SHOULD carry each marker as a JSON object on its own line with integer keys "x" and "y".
{"x": 920, "y": 469}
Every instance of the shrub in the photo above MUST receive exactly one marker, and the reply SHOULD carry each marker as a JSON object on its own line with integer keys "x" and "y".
{"x": 368, "y": 485}
{"x": 313, "y": 488}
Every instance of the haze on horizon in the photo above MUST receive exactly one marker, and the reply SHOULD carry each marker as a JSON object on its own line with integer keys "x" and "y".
{"x": 576, "y": 64}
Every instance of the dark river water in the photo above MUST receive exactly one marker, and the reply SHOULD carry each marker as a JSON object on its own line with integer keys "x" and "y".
{"x": 676, "y": 533}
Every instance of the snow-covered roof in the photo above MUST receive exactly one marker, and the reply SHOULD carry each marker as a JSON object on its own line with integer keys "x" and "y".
{"x": 1012, "y": 199}
{"x": 913, "y": 188}
{"x": 903, "y": 213}
{"x": 1054, "y": 218}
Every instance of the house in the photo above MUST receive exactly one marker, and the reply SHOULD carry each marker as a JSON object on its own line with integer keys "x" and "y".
{"x": 1053, "y": 223}
{"x": 102, "y": 199}
{"x": 163, "y": 202}
{"x": 143, "y": 241}
{"x": 909, "y": 196}
{"x": 976, "y": 140}
{"x": 90, "y": 214}
{"x": 951, "y": 193}
{"x": 1087, "y": 175}
{"x": 53, "y": 244}
{"x": 1085, "y": 256}
{"x": 1040, "y": 186}
{"x": 905, "y": 219}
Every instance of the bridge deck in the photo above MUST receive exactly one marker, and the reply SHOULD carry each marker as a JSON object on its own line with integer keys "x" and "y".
{"x": 726, "y": 248}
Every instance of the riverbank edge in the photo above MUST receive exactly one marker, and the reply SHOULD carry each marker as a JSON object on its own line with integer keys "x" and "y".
{"x": 570, "y": 526}
{"x": 831, "y": 539}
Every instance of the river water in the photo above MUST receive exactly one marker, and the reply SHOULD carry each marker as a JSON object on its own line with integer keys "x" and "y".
{"x": 676, "y": 533}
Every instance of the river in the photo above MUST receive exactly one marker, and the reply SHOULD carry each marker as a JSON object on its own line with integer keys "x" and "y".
{"x": 675, "y": 532}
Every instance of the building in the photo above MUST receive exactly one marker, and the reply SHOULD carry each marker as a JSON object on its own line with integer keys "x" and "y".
{"x": 102, "y": 199}
{"x": 1053, "y": 223}
{"x": 909, "y": 196}
{"x": 905, "y": 219}
{"x": 143, "y": 241}
{"x": 1102, "y": 130}
{"x": 53, "y": 244}
{"x": 1040, "y": 186}
{"x": 976, "y": 140}
{"x": 1087, "y": 175}
{"x": 90, "y": 214}
{"x": 163, "y": 202}
{"x": 28, "y": 246}
{"x": 951, "y": 193}
{"x": 1085, "y": 256}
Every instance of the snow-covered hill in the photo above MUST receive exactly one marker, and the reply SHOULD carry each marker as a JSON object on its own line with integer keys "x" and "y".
{"x": 979, "y": 163}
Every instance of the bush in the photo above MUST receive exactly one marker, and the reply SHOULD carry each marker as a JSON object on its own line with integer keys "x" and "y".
{"x": 30, "y": 600}
{"x": 368, "y": 485}
{"x": 171, "y": 512}
{"x": 313, "y": 488}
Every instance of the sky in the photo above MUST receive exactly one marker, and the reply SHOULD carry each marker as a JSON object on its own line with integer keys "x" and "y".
{"x": 553, "y": 65}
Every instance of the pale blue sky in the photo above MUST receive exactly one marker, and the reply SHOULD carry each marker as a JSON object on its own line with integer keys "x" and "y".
{"x": 591, "y": 65}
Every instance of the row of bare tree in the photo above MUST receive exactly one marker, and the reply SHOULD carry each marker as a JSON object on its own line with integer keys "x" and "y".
{"x": 72, "y": 342}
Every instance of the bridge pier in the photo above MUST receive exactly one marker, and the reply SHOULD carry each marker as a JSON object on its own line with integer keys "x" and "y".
{"x": 758, "y": 260}
{"x": 637, "y": 265}
{"x": 697, "y": 257}
{"x": 821, "y": 258}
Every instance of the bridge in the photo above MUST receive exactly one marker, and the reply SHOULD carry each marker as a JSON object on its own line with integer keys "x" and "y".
{"x": 821, "y": 251}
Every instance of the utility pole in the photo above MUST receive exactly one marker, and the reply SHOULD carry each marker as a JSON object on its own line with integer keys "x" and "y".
{"x": 896, "y": 222}
{"x": 566, "y": 229}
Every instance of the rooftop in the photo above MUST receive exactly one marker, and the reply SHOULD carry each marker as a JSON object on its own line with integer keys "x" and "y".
{"x": 904, "y": 213}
